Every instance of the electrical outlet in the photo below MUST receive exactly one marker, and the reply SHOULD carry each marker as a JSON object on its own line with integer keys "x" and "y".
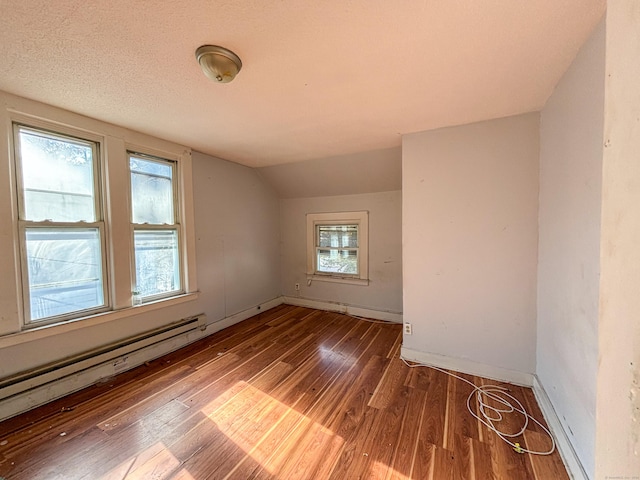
{"x": 407, "y": 329}
{"x": 297, "y": 287}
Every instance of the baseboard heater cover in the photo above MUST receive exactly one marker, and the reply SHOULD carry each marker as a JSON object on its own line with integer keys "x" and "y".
{"x": 114, "y": 352}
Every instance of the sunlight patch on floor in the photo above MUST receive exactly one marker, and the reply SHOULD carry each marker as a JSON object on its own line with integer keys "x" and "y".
{"x": 183, "y": 475}
{"x": 155, "y": 462}
{"x": 380, "y": 470}
{"x": 270, "y": 432}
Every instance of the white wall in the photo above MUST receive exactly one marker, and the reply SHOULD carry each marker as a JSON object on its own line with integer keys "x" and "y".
{"x": 237, "y": 252}
{"x": 618, "y": 380}
{"x": 571, "y": 128}
{"x": 470, "y": 241}
{"x": 384, "y": 292}
{"x": 237, "y": 237}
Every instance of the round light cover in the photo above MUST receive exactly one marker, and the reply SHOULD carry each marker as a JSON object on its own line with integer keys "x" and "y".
{"x": 218, "y": 63}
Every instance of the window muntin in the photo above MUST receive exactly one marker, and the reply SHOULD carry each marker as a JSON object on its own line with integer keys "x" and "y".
{"x": 337, "y": 249}
{"x": 60, "y": 226}
{"x": 156, "y": 230}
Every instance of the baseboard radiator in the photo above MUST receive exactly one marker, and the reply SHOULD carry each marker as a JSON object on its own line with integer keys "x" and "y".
{"x": 26, "y": 390}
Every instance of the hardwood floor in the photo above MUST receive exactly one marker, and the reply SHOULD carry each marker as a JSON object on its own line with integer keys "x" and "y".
{"x": 292, "y": 393}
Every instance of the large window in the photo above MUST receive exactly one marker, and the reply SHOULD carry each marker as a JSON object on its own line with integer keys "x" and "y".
{"x": 60, "y": 224}
{"x": 99, "y": 228}
{"x": 337, "y": 246}
{"x": 154, "y": 216}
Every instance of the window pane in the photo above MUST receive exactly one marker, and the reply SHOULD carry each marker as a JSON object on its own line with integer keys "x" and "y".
{"x": 57, "y": 178}
{"x": 65, "y": 270}
{"x": 157, "y": 262}
{"x": 337, "y": 261}
{"x": 338, "y": 236}
{"x": 151, "y": 191}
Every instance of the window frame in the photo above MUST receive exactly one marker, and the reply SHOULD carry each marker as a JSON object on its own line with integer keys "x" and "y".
{"x": 23, "y": 225}
{"x": 114, "y": 142}
{"x": 358, "y": 218}
{"x": 148, "y": 227}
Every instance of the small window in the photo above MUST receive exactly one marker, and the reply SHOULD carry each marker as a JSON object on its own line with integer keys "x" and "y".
{"x": 156, "y": 230}
{"x": 337, "y": 249}
{"x": 60, "y": 225}
{"x": 337, "y": 246}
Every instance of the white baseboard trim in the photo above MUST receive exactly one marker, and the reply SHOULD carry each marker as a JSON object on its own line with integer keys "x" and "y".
{"x": 68, "y": 383}
{"x": 563, "y": 444}
{"x": 344, "y": 308}
{"x": 469, "y": 367}
{"x": 249, "y": 312}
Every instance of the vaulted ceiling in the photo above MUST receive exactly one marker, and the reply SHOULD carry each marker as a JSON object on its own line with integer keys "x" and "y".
{"x": 319, "y": 78}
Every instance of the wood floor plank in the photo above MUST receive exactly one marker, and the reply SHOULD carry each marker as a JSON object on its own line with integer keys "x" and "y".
{"x": 214, "y": 386}
{"x": 405, "y": 449}
{"x": 436, "y": 421}
{"x": 393, "y": 379}
{"x": 461, "y": 422}
{"x": 432, "y": 462}
{"x": 126, "y": 416}
{"x": 321, "y": 392}
{"x": 56, "y": 431}
{"x": 375, "y": 452}
{"x": 291, "y": 393}
{"x": 542, "y": 467}
{"x": 308, "y": 435}
{"x": 472, "y": 459}
{"x": 347, "y": 415}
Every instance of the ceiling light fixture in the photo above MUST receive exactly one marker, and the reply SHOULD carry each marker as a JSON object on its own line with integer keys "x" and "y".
{"x": 218, "y": 63}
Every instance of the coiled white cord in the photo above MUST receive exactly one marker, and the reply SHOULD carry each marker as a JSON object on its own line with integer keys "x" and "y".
{"x": 491, "y": 415}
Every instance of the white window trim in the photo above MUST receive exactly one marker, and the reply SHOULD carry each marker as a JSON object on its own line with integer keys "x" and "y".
{"x": 64, "y": 134}
{"x": 113, "y": 143}
{"x": 360, "y": 218}
{"x": 53, "y": 329}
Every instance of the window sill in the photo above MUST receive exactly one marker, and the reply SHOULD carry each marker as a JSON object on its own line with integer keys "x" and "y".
{"x": 332, "y": 279}
{"x": 35, "y": 333}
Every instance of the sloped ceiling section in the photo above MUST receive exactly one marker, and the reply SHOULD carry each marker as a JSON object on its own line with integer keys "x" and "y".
{"x": 320, "y": 79}
{"x": 366, "y": 172}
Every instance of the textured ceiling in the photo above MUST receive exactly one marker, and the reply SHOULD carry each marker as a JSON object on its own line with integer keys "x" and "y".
{"x": 319, "y": 79}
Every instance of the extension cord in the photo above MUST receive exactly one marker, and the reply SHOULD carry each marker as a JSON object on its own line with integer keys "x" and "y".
{"x": 493, "y": 415}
